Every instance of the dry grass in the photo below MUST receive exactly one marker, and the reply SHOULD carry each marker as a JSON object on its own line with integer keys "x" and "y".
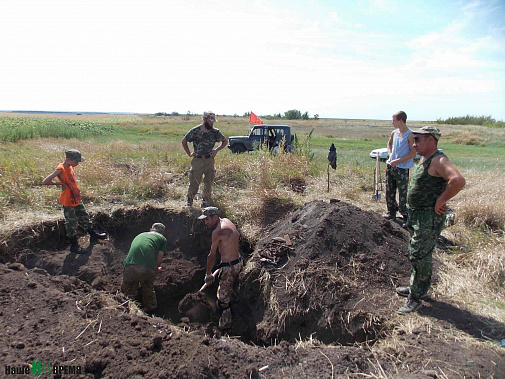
{"x": 254, "y": 189}
{"x": 400, "y": 349}
{"x": 482, "y": 203}
{"x": 475, "y": 277}
{"x": 470, "y": 138}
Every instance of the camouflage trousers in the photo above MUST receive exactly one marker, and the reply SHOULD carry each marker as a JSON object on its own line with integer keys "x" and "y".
{"x": 75, "y": 216}
{"x": 133, "y": 275}
{"x": 201, "y": 167}
{"x": 397, "y": 178}
{"x": 425, "y": 227}
{"x": 229, "y": 275}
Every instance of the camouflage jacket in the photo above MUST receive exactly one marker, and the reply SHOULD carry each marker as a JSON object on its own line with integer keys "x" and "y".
{"x": 203, "y": 142}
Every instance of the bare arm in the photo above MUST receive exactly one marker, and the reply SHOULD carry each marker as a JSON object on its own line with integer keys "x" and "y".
{"x": 186, "y": 147}
{"x": 159, "y": 258}
{"x": 455, "y": 182}
{"x": 222, "y": 146}
{"x": 48, "y": 181}
{"x": 390, "y": 143}
{"x": 211, "y": 258}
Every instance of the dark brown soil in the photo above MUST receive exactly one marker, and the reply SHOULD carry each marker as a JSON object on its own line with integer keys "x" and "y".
{"x": 333, "y": 285}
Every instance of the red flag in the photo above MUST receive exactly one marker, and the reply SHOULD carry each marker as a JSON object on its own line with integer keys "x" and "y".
{"x": 255, "y": 119}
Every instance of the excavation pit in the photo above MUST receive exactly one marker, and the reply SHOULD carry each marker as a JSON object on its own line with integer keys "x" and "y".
{"x": 322, "y": 273}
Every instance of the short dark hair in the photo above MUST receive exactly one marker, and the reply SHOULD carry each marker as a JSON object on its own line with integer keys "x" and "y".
{"x": 401, "y": 115}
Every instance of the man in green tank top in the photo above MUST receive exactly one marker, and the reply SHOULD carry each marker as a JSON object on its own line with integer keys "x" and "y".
{"x": 142, "y": 264}
{"x": 434, "y": 182}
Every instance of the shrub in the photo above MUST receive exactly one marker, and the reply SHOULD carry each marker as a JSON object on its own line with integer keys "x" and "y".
{"x": 293, "y": 114}
{"x": 472, "y": 120}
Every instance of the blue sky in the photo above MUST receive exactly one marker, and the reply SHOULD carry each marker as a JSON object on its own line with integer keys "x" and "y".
{"x": 347, "y": 59}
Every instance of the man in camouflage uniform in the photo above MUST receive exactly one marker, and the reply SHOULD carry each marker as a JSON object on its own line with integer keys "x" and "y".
{"x": 225, "y": 237}
{"x": 401, "y": 154}
{"x": 203, "y": 136}
{"x": 434, "y": 182}
{"x": 142, "y": 264}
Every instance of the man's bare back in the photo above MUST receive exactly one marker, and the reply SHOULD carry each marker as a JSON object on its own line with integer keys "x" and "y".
{"x": 225, "y": 238}
{"x": 226, "y": 235}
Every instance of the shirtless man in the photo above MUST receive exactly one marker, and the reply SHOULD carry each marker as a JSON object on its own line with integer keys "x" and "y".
{"x": 225, "y": 238}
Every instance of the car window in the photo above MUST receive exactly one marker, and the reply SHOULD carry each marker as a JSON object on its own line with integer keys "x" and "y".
{"x": 257, "y": 132}
{"x": 280, "y": 131}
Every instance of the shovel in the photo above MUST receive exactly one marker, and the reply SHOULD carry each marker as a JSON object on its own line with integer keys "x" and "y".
{"x": 377, "y": 196}
{"x": 208, "y": 284}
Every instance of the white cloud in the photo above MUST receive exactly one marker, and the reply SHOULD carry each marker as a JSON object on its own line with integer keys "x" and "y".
{"x": 333, "y": 17}
{"x": 229, "y": 56}
{"x": 447, "y": 51}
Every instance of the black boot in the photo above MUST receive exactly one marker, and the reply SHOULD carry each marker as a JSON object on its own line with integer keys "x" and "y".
{"x": 405, "y": 221}
{"x": 75, "y": 248}
{"x": 390, "y": 216}
{"x": 96, "y": 236}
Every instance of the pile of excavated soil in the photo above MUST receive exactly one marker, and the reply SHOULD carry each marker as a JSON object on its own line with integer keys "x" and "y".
{"x": 333, "y": 279}
{"x": 330, "y": 280}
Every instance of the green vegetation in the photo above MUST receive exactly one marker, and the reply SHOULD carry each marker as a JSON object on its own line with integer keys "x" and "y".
{"x": 295, "y": 114}
{"x": 472, "y": 120}
{"x": 133, "y": 159}
{"x": 15, "y": 129}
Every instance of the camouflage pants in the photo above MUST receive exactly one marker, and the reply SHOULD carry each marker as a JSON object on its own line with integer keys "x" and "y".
{"x": 201, "y": 167}
{"x": 397, "y": 178}
{"x": 425, "y": 227}
{"x": 133, "y": 275}
{"x": 75, "y": 216}
{"x": 229, "y": 275}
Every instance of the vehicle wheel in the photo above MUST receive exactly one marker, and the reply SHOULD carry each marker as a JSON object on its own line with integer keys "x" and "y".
{"x": 237, "y": 149}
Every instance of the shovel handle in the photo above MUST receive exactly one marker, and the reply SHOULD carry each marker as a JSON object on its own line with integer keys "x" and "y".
{"x": 205, "y": 285}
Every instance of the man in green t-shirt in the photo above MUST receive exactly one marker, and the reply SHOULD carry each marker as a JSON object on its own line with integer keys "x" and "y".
{"x": 142, "y": 264}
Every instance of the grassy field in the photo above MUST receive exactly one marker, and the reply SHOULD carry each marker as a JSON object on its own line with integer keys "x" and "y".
{"x": 136, "y": 160}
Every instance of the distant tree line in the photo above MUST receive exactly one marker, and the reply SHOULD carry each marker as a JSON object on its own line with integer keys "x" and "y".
{"x": 472, "y": 120}
{"x": 165, "y": 114}
{"x": 169, "y": 114}
{"x": 293, "y": 114}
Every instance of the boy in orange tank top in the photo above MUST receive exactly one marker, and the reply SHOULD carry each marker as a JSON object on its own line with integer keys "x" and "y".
{"x": 70, "y": 198}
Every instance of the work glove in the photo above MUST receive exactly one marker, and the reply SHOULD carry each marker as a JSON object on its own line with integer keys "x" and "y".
{"x": 209, "y": 279}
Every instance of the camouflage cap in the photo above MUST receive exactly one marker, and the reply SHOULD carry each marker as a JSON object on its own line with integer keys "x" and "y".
{"x": 158, "y": 227}
{"x": 435, "y": 132}
{"x": 209, "y": 211}
{"x": 74, "y": 155}
{"x": 209, "y": 115}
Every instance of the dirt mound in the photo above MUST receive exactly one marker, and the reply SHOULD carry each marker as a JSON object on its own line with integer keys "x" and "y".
{"x": 334, "y": 282}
